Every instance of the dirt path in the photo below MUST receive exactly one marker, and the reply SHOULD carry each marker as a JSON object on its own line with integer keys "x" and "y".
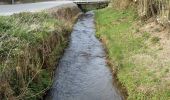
{"x": 82, "y": 73}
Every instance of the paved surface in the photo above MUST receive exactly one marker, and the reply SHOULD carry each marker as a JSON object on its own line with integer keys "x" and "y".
{"x": 34, "y": 7}
{"x": 82, "y": 73}
{"x": 30, "y": 7}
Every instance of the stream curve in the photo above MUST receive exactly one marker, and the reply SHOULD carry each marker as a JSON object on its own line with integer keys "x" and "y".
{"x": 82, "y": 73}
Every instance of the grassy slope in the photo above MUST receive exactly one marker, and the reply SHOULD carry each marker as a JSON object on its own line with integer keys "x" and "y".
{"x": 30, "y": 44}
{"x": 116, "y": 30}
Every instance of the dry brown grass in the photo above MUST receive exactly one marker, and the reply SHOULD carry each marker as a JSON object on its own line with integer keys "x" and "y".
{"x": 121, "y": 4}
{"x": 26, "y": 69}
{"x": 140, "y": 52}
{"x": 159, "y": 9}
{"x": 154, "y": 60}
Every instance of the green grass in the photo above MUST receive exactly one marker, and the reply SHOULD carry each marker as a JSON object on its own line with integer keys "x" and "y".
{"x": 30, "y": 44}
{"x": 114, "y": 25}
{"x": 128, "y": 51}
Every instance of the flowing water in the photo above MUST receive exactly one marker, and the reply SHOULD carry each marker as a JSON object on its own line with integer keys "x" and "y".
{"x": 82, "y": 73}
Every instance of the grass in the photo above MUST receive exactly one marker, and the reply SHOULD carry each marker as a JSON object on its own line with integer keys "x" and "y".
{"x": 30, "y": 44}
{"x": 155, "y": 40}
{"x": 138, "y": 68}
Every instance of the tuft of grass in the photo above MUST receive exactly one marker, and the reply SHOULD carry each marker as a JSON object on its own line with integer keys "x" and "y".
{"x": 141, "y": 74}
{"x": 146, "y": 35}
{"x": 155, "y": 40}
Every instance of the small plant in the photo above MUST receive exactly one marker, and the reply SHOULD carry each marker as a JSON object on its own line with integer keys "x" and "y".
{"x": 155, "y": 40}
{"x": 146, "y": 35}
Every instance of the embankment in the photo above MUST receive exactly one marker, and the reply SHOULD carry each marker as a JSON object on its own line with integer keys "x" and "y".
{"x": 138, "y": 53}
{"x": 31, "y": 44}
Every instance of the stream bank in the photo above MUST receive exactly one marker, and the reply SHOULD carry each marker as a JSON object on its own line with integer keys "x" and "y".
{"x": 138, "y": 53}
{"x": 31, "y": 45}
{"x": 82, "y": 73}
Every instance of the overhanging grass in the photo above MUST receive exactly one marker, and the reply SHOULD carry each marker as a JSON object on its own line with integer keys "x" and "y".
{"x": 115, "y": 29}
{"x": 30, "y": 44}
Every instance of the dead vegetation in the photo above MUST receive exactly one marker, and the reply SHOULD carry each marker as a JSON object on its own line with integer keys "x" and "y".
{"x": 31, "y": 43}
{"x": 159, "y": 9}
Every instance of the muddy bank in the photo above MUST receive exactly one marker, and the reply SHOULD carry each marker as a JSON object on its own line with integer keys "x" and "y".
{"x": 82, "y": 73}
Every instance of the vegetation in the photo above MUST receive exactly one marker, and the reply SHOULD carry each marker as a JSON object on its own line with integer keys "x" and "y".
{"x": 160, "y": 9}
{"x": 156, "y": 8}
{"x": 134, "y": 54}
{"x": 30, "y": 45}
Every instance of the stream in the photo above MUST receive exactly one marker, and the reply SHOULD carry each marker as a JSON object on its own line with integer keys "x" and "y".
{"x": 82, "y": 73}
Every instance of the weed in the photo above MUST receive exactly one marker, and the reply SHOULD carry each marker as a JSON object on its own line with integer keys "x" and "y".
{"x": 146, "y": 35}
{"x": 155, "y": 40}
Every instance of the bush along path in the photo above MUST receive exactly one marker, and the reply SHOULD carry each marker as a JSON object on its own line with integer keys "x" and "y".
{"x": 30, "y": 45}
{"x": 82, "y": 73}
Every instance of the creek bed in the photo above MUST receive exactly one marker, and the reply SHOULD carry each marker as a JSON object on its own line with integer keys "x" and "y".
{"x": 82, "y": 73}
